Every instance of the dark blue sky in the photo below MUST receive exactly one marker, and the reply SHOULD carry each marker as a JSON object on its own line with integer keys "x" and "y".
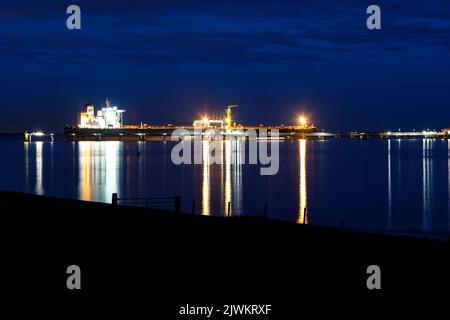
{"x": 169, "y": 61}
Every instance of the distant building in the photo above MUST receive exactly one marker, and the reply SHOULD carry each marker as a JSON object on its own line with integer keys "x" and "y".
{"x": 107, "y": 118}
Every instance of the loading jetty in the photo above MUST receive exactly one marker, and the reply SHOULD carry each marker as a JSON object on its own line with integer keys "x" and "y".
{"x": 166, "y": 133}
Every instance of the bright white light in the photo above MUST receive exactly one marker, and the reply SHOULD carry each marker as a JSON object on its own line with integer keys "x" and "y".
{"x": 302, "y": 120}
{"x": 38, "y": 134}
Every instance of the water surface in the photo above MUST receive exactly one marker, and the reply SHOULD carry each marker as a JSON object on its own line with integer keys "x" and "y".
{"x": 379, "y": 185}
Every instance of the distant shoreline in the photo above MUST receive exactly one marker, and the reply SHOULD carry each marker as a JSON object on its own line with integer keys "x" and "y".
{"x": 163, "y": 135}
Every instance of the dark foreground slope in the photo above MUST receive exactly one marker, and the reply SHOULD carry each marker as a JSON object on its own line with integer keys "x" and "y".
{"x": 126, "y": 251}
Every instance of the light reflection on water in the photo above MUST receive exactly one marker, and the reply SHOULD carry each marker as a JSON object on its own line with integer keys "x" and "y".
{"x": 389, "y": 224}
{"x": 333, "y": 180}
{"x": 427, "y": 184}
{"x": 99, "y": 169}
{"x": 39, "y": 186}
{"x": 302, "y": 191}
{"x": 85, "y": 162}
{"x": 230, "y": 171}
{"x": 448, "y": 185}
{"x": 227, "y": 164}
{"x": 206, "y": 188}
{"x": 26, "y": 164}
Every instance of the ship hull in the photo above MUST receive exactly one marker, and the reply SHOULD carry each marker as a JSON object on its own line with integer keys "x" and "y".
{"x": 132, "y": 133}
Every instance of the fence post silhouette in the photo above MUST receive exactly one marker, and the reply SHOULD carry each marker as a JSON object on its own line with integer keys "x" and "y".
{"x": 177, "y": 204}
{"x": 115, "y": 199}
{"x": 305, "y": 215}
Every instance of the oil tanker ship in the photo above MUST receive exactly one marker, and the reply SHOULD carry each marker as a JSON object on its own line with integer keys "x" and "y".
{"x": 107, "y": 124}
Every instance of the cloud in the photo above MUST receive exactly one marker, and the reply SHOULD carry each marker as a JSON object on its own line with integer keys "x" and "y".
{"x": 224, "y": 32}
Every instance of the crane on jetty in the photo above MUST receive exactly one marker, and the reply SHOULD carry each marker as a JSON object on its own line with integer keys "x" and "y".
{"x": 228, "y": 119}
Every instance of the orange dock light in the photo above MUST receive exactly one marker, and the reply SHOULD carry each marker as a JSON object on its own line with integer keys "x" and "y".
{"x": 205, "y": 121}
{"x": 302, "y": 121}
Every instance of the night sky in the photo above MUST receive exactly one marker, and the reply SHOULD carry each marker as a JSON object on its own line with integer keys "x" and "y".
{"x": 170, "y": 61}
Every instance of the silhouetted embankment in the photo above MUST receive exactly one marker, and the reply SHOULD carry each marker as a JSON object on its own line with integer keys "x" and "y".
{"x": 127, "y": 250}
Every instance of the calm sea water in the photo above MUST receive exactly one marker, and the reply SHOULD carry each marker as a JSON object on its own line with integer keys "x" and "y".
{"x": 379, "y": 185}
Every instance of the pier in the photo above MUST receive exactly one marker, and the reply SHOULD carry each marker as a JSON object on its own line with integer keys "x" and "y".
{"x": 165, "y": 133}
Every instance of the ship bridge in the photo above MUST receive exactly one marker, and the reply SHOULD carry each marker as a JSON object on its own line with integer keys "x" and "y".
{"x": 108, "y": 117}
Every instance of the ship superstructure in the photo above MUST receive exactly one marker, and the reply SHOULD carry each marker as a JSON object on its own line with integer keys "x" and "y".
{"x": 225, "y": 124}
{"x": 107, "y": 117}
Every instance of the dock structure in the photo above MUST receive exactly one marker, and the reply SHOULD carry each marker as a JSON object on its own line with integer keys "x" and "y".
{"x": 167, "y": 133}
{"x": 39, "y": 135}
{"x": 395, "y": 135}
